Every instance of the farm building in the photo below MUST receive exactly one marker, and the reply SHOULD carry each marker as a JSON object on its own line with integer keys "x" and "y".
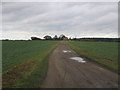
{"x": 65, "y": 38}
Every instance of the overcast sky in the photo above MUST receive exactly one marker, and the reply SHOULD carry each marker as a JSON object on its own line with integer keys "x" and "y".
{"x": 21, "y": 20}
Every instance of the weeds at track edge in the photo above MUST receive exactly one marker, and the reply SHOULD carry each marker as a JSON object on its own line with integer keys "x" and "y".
{"x": 94, "y": 61}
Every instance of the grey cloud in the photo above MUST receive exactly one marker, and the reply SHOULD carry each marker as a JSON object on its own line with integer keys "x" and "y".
{"x": 81, "y": 19}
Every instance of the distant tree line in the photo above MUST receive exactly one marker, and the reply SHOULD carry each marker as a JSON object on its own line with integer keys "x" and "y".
{"x": 63, "y": 37}
{"x": 97, "y": 39}
{"x": 35, "y": 38}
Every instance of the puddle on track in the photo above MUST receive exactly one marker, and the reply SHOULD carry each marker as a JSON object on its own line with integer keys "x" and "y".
{"x": 65, "y": 51}
{"x": 79, "y": 59}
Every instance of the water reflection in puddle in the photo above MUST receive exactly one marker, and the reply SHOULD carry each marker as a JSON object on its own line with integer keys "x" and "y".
{"x": 79, "y": 59}
{"x": 65, "y": 51}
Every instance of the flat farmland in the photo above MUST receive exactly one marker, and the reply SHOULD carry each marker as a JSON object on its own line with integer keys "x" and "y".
{"x": 44, "y": 64}
{"x": 21, "y": 61}
{"x": 104, "y": 53}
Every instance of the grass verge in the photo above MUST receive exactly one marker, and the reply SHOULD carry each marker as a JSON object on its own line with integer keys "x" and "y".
{"x": 30, "y": 73}
{"x": 36, "y": 77}
{"x": 97, "y": 52}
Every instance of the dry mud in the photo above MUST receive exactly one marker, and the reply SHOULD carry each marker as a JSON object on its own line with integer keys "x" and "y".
{"x": 66, "y": 73}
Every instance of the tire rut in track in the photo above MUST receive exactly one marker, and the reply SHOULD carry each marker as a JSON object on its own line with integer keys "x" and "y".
{"x": 66, "y": 73}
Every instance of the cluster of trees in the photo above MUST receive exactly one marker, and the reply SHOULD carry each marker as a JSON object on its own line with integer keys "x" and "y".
{"x": 48, "y": 37}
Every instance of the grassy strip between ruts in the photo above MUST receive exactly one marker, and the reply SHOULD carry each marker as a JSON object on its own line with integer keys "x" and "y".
{"x": 30, "y": 73}
{"x": 84, "y": 52}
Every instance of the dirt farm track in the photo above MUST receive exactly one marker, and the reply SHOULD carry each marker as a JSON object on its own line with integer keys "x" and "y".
{"x": 66, "y": 73}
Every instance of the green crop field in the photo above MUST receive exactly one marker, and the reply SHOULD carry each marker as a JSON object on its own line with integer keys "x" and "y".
{"x": 104, "y": 53}
{"x": 24, "y": 63}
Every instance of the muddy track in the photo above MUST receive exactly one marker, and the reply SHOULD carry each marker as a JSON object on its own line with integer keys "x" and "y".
{"x": 66, "y": 73}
